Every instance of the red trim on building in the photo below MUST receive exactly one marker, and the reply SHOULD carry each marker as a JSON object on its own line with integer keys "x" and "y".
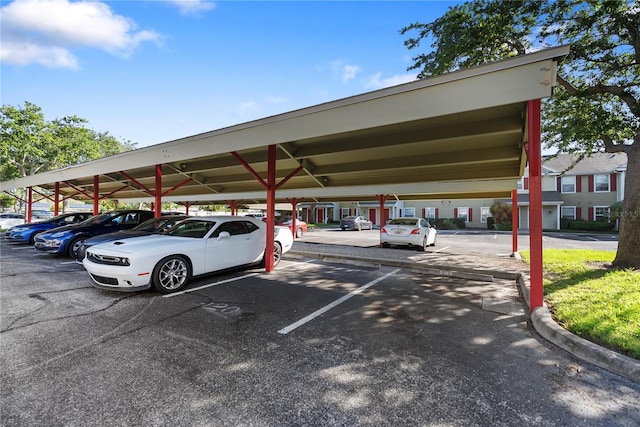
{"x": 578, "y": 184}
{"x": 590, "y": 183}
{"x": 590, "y": 212}
{"x": 455, "y": 212}
{"x": 470, "y": 215}
{"x": 526, "y": 183}
{"x": 437, "y": 213}
{"x": 579, "y": 214}
{"x": 614, "y": 182}
{"x": 559, "y": 184}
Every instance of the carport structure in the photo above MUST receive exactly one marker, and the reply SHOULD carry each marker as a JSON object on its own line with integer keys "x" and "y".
{"x": 466, "y": 134}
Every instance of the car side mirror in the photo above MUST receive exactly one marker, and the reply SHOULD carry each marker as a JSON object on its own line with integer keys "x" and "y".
{"x": 223, "y": 235}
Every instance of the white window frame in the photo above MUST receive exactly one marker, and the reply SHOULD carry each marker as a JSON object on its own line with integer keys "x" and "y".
{"x": 485, "y": 212}
{"x": 409, "y": 212}
{"x": 344, "y": 212}
{"x": 605, "y": 215}
{"x": 564, "y": 215}
{"x": 607, "y": 180}
{"x": 568, "y": 183}
{"x": 465, "y": 215}
{"x": 430, "y": 213}
{"x": 520, "y": 185}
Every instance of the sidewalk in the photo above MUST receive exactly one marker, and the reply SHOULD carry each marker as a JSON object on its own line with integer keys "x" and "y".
{"x": 478, "y": 268}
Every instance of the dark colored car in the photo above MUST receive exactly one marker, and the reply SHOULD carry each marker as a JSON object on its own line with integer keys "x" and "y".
{"x": 150, "y": 226}
{"x": 355, "y": 223}
{"x": 68, "y": 238}
{"x": 26, "y": 233}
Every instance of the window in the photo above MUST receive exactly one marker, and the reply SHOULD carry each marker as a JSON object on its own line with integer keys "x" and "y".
{"x": 568, "y": 184}
{"x": 430, "y": 213}
{"x": 484, "y": 214}
{"x": 568, "y": 212}
{"x": 519, "y": 187}
{"x": 410, "y": 212}
{"x": 463, "y": 213}
{"x": 345, "y": 212}
{"x": 601, "y": 213}
{"x": 601, "y": 183}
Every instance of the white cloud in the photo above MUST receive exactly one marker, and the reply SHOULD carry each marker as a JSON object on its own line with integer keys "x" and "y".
{"x": 192, "y": 7}
{"x": 376, "y": 82}
{"x": 247, "y": 107}
{"x": 346, "y": 72}
{"x": 45, "y": 31}
{"x": 276, "y": 100}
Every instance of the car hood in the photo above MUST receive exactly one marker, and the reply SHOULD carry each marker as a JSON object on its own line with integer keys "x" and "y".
{"x": 142, "y": 243}
{"x": 110, "y": 237}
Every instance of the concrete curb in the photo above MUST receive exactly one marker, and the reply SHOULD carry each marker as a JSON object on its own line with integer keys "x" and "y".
{"x": 541, "y": 318}
{"x": 586, "y": 350}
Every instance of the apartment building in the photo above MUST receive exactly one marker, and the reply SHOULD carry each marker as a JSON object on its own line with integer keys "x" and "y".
{"x": 577, "y": 190}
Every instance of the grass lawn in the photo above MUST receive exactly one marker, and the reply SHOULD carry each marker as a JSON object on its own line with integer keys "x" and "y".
{"x": 596, "y": 303}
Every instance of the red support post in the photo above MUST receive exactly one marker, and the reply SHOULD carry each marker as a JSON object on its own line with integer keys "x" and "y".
{"x": 233, "y": 207}
{"x": 29, "y": 204}
{"x": 514, "y": 221}
{"x": 271, "y": 206}
{"x": 535, "y": 204}
{"x": 56, "y": 199}
{"x": 381, "y": 199}
{"x": 186, "y": 208}
{"x": 158, "y": 192}
{"x": 96, "y": 193}
{"x": 294, "y": 214}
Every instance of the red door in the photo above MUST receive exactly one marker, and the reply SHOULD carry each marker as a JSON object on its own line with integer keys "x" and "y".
{"x": 320, "y": 216}
{"x": 372, "y": 215}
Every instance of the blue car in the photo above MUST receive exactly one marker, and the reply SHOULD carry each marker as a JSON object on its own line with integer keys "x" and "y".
{"x": 66, "y": 240}
{"x": 26, "y": 233}
{"x": 150, "y": 226}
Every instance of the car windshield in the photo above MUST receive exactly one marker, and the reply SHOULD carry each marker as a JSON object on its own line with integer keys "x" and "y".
{"x": 403, "y": 221}
{"x": 158, "y": 225}
{"x": 99, "y": 219}
{"x": 349, "y": 218}
{"x": 193, "y": 228}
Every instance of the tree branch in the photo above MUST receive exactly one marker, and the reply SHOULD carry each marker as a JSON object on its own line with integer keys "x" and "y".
{"x": 621, "y": 93}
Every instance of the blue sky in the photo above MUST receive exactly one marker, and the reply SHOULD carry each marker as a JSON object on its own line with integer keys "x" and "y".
{"x": 151, "y": 71}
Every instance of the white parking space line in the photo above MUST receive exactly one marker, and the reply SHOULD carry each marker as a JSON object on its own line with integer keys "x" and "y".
{"x": 70, "y": 262}
{"x": 23, "y": 247}
{"x": 337, "y": 302}
{"x": 440, "y": 249}
{"x": 495, "y": 236}
{"x": 592, "y": 238}
{"x": 233, "y": 279}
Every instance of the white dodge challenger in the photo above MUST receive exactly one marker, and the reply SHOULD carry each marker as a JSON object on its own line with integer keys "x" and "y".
{"x": 195, "y": 246}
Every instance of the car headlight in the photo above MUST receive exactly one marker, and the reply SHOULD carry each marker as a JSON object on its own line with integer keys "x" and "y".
{"x": 60, "y": 234}
{"x": 108, "y": 260}
{"x": 16, "y": 229}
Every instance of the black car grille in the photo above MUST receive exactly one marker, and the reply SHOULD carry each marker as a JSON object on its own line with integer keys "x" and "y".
{"x": 105, "y": 280}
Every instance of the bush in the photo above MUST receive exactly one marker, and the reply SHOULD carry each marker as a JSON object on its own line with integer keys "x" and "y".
{"x": 491, "y": 223}
{"x": 507, "y": 226}
{"x": 449, "y": 223}
{"x": 564, "y": 223}
{"x": 591, "y": 226}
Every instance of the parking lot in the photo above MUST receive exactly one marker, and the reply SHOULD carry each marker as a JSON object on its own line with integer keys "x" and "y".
{"x": 312, "y": 343}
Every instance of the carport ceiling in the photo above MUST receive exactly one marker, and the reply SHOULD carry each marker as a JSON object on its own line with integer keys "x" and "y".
{"x": 459, "y": 135}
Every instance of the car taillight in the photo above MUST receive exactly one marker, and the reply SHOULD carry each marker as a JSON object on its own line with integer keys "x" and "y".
{"x": 382, "y": 230}
{"x": 415, "y": 231}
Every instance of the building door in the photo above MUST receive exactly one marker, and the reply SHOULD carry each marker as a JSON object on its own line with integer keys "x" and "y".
{"x": 372, "y": 215}
{"x": 320, "y": 215}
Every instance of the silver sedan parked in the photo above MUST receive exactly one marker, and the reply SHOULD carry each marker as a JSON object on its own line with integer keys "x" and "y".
{"x": 355, "y": 223}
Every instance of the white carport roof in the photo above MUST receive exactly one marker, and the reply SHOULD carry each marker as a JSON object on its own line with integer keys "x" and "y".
{"x": 459, "y": 135}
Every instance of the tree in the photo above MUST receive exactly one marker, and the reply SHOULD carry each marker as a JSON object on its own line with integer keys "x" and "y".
{"x": 501, "y": 213}
{"x": 29, "y": 144}
{"x": 596, "y": 106}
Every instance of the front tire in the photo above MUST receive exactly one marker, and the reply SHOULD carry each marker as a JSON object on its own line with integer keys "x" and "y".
{"x": 424, "y": 244}
{"x": 74, "y": 245}
{"x": 299, "y": 232}
{"x": 171, "y": 274}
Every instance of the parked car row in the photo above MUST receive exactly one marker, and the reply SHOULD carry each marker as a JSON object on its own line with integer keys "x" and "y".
{"x": 131, "y": 250}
